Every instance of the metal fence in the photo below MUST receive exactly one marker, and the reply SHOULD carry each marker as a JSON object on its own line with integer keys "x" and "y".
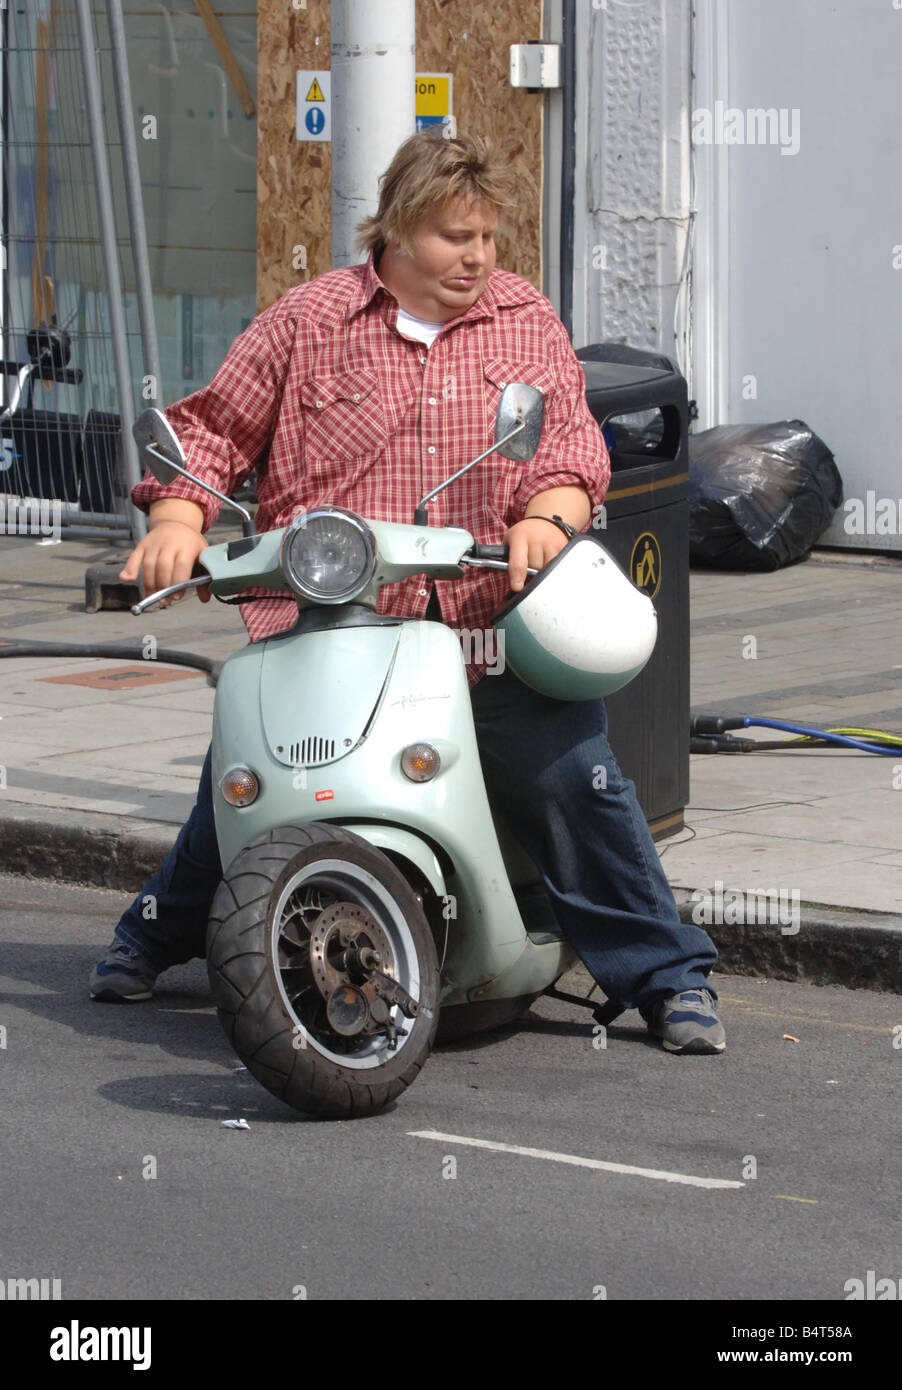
{"x": 69, "y": 362}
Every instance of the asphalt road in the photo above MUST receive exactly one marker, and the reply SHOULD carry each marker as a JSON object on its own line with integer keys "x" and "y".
{"x": 93, "y": 1097}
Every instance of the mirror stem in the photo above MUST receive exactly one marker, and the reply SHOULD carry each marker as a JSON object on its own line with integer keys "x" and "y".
{"x": 248, "y": 520}
{"x": 421, "y": 516}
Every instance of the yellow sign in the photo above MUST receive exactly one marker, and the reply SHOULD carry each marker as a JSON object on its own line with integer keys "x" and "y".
{"x": 315, "y": 93}
{"x": 432, "y": 93}
{"x": 645, "y": 564}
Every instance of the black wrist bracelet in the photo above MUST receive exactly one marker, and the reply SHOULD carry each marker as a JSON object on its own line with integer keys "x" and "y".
{"x": 568, "y": 530}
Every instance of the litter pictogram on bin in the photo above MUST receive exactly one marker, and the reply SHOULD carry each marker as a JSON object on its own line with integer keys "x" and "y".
{"x": 645, "y": 564}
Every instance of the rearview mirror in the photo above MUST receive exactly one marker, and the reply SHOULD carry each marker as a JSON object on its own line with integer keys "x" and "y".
{"x": 165, "y": 457}
{"x": 152, "y": 428}
{"x": 522, "y": 406}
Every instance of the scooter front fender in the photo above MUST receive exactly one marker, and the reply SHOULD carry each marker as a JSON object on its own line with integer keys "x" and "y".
{"x": 392, "y": 839}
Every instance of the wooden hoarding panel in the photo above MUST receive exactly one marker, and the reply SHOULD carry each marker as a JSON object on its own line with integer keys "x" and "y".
{"x": 465, "y": 38}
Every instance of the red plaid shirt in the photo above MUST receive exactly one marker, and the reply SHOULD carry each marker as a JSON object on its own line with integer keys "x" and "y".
{"x": 334, "y": 407}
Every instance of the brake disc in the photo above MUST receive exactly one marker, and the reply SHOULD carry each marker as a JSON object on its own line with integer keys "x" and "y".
{"x": 340, "y": 927}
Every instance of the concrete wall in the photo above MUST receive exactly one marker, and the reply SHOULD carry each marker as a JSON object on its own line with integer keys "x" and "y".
{"x": 632, "y": 171}
{"x": 799, "y": 265}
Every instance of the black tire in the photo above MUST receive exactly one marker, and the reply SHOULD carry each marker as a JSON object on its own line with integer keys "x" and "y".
{"x": 258, "y": 988}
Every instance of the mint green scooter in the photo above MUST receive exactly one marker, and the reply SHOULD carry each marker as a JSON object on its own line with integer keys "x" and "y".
{"x": 367, "y": 889}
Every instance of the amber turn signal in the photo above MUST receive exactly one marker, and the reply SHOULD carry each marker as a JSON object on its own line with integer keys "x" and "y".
{"x": 420, "y": 762}
{"x": 239, "y": 786}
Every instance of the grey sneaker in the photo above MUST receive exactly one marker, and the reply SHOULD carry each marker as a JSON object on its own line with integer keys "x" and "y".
{"x": 688, "y": 1022}
{"x": 122, "y": 977}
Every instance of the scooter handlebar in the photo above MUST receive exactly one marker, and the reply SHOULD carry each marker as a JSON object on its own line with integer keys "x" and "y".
{"x": 490, "y": 557}
{"x": 195, "y": 583}
{"x": 490, "y": 552}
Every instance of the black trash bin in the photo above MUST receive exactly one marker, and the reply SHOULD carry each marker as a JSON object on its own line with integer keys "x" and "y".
{"x": 646, "y": 529}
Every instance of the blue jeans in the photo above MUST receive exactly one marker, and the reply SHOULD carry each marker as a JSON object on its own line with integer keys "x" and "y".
{"x": 551, "y": 775}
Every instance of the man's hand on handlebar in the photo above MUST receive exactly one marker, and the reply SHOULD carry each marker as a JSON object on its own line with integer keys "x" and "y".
{"x": 533, "y": 543}
{"x": 168, "y": 552}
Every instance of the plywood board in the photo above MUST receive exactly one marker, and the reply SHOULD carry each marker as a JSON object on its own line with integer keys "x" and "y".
{"x": 294, "y": 178}
{"x": 464, "y": 37}
{"x": 472, "y": 39}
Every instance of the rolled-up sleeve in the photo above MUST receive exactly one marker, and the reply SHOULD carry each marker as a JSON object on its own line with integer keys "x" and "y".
{"x": 225, "y": 427}
{"x": 572, "y": 451}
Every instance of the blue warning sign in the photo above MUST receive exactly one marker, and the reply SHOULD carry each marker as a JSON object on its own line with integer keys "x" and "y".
{"x": 314, "y": 120}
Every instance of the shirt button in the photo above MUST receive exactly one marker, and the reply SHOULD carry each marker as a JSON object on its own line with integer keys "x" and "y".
{"x": 422, "y": 361}
{"x": 422, "y": 592}
{"x": 502, "y": 384}
{"x": 432, "y": 400}
{"x": 356, "y": 395}
{"x": 319, "y": 405}
{"x": 431, "y": 449}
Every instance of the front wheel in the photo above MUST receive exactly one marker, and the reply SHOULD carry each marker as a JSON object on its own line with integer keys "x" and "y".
{"x": 323, "y": 970}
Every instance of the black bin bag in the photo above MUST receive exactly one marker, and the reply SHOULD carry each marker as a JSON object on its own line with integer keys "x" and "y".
{"x": 759, "y": 495}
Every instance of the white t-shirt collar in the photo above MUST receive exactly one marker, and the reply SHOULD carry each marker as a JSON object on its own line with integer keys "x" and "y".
{"x": 421, "y": 329}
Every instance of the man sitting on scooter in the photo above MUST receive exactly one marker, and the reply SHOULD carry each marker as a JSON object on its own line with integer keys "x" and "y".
{"x": 364, "y": 388}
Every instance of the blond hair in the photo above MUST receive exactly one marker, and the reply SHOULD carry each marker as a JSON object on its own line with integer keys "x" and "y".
{"x": 428, "y": 172}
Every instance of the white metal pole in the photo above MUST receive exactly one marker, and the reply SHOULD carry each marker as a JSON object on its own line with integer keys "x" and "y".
{"x": 373, "y": 71}
{"x": 5, "y": 325}
{"x": 128, "y": 455}
{"x": 132, "y": 176}
{"x": 710, "y": 271}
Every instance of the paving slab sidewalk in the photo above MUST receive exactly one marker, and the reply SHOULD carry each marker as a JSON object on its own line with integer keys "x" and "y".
{"x": 100, "y": 758}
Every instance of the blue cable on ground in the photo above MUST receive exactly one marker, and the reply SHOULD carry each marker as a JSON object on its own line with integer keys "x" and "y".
{"x": 713, "y": 730}
{"x": 842, "y": 739}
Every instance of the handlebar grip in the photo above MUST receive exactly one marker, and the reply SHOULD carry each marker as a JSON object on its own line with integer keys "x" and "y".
{"x": 491, "y": 552}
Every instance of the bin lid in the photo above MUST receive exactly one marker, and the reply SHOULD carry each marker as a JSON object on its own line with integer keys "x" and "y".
{"x": 622, "y": 352}
{"x": 617, "y": 388}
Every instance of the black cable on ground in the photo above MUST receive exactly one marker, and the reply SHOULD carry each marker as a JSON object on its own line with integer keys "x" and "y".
{"x": 709, "y": 734}
{"x": 131, "y": 652}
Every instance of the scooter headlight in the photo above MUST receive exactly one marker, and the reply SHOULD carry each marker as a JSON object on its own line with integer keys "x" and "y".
{"x": 328, "y": 556}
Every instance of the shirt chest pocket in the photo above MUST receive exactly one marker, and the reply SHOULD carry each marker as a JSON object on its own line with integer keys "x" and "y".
{"x": 500, "y": 372}
{"x": 344, "y": 417}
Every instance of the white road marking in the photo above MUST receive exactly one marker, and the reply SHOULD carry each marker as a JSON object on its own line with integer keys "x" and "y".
{"x": 660, "y": 1174}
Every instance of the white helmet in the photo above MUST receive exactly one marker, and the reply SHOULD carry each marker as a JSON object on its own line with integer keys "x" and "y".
{"x": 580, "y": 629}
